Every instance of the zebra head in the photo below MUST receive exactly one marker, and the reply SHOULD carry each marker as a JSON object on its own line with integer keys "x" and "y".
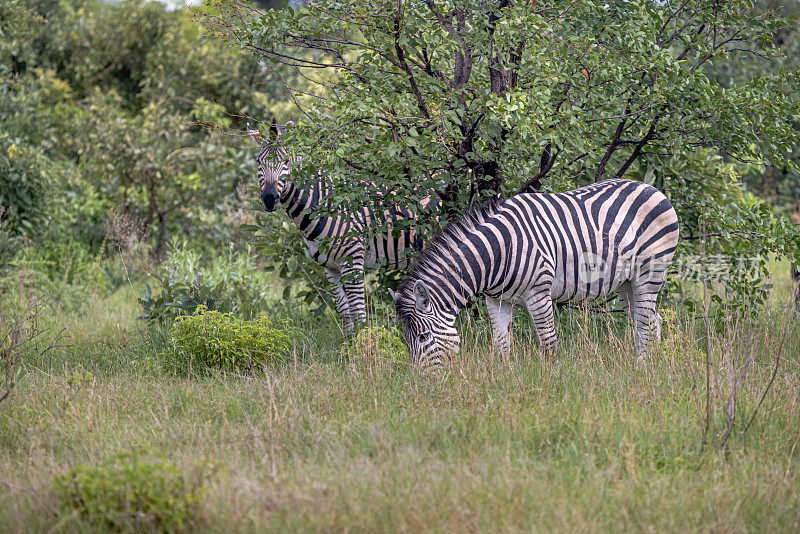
{"x": 429, "y": 333}
{"x": 274, "y": 164}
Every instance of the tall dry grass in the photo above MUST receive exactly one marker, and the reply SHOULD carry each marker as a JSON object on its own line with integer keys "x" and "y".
{"x": 584, "y": 439}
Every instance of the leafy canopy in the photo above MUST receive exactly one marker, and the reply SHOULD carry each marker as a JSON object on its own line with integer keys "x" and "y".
{"x": 475, "y": 98}
{"x": 472, "y": 96}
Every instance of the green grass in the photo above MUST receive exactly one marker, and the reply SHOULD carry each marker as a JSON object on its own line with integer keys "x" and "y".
{"x": 584, "y": 440}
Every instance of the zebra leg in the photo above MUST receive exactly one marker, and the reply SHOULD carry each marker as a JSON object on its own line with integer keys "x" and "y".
{"x": 540, "y": 306}
{"x": 500, "y": 314}
{"x": 353, "y": 287}
{"x": 642, "y": 313}
{"x": 342, "y": 306}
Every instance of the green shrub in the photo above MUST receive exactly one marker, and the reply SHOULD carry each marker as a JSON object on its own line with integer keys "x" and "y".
{"x": 375, "y": 342}
{"x": 212, "y": 339}
{"x": 64, "y": 270}
{"x": 64, "y": 262}
{"x": 129, "y": 493}
{"x": 231, "y": 282}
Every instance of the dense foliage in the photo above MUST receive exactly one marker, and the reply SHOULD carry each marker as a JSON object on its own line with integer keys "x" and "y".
{"x": 131, "y": 493}
{"x": 121, "y": 127}
{"x": 124, "y": 107}
{"x": 475, "y": 98}
{"x": 376, "y": 342}
{"x": 118, "y": 132}
{"x": 231, "y": 283}
{"x": 210, "y": 339}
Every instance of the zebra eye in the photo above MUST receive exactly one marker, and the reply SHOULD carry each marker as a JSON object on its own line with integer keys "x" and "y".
{"x": 425, "y": 336}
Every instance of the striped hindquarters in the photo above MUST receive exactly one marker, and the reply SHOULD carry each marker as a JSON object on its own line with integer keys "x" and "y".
{"x": 594, "y": 238}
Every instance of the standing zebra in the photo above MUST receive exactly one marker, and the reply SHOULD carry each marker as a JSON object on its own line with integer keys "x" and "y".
{"x": 336, "y": 243}
{"x": 534, "y": 249}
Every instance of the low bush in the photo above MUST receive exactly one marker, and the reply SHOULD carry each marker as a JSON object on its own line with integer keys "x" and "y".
{"x": 374, "y": 343}
{"x": 212, "y": 339}
{"x": 133, "y": 493}
{"x": 64, "y": 262}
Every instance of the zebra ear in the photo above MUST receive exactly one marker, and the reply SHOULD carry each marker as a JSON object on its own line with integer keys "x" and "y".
{"x": 275, "y": 128}
{"x": 288, "y": 124}
{"x": 392, "y": 293}
{"x": 422, "y": 298}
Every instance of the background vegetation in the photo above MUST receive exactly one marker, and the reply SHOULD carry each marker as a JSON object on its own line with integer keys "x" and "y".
{"x": 126, "y": 202}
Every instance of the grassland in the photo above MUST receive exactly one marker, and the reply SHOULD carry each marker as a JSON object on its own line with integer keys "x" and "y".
{"x": 583, "y": 441}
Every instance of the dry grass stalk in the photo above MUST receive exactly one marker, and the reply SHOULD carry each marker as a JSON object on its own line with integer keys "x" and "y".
{"x": 18, "y": 335}
{"x": 128, "y": 234}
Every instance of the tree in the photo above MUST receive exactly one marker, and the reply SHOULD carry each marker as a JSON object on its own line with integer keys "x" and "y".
{"x": 27, "y": 173}
{"x": 479, "y": 90}
{"x": 124, "y": 106}
{"x": 779, "y": 185}
{"x": 475, "y": 98}
{"x": 161, "y": 164}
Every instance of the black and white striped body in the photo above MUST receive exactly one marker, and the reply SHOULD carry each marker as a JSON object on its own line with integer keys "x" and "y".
{"x": 337, "y": 243}
{"x": 535, "y": 249}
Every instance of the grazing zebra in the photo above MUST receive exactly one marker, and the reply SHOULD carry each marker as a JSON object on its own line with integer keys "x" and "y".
{"x": 336, "y": 243}
{"x": 534, "y": 249}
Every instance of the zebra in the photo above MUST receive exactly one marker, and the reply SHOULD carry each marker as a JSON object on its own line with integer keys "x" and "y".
{"x": 534, "y": 249}
{"x": 337, "y": 243}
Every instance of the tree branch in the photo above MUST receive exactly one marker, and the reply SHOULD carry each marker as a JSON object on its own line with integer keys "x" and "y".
{"x": 401, "y": 58}
{"x": 612, "y": 147}
{"x": 545, "y": 165}
{"x": 637, "y": 151}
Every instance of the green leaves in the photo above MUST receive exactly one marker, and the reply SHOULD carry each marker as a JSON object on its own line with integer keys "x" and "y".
{"x": 375, "y": 346}
{"x": 462, "y": 101}
{"x": 132, "y": 493}
{"x": 213, "y": 340}
{"x": 410, "y": 90}
{"x": 126, "y": 106}
{"x": 30, "y": 176}
{"x": 232, "y": 283}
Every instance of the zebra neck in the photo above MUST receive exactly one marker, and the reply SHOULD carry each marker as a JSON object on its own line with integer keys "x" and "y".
{"x": 449, "y": 291}
{"x": 300, "y": 204}
{"x": 457, "y": 269}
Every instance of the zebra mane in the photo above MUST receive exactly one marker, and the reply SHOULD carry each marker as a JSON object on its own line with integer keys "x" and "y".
{"x": 440, "y": 248}
{"x": 454, "y": 234}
